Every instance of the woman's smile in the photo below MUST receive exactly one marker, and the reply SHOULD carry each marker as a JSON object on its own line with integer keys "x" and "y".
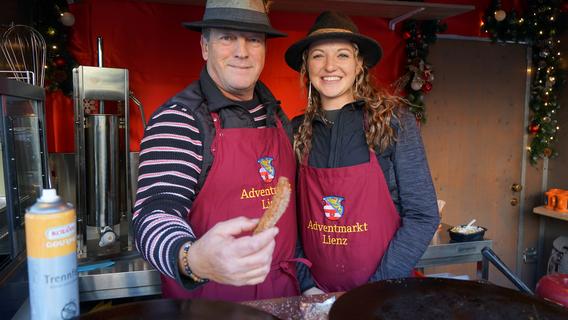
{"x": 332, "y": 67}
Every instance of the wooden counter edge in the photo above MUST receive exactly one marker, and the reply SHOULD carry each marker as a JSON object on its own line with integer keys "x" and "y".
{"x": 543, "y": 211}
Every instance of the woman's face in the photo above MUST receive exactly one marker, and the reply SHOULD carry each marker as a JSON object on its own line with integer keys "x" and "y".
{"x": 332, "y": 68}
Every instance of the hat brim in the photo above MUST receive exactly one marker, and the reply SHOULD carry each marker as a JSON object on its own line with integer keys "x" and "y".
{"x": 232, "y": 25}
{"x": 369, "y": 48}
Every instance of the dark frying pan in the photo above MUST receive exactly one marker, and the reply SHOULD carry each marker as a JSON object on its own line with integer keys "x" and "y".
{"x": 432, "y": 298}
{"x": 196, "y": 309}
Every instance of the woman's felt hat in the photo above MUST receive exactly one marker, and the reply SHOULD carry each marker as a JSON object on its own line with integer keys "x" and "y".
{"x": 334, "y": 25}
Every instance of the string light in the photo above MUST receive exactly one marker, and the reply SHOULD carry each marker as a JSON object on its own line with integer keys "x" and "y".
{"x": 48, "y": 20}
{"x": 539, "y": 30}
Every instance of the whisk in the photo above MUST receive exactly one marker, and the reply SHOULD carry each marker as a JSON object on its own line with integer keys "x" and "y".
{"x": 24, "y": 50}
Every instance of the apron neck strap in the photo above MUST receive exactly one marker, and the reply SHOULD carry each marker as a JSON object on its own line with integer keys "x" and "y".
{"x": 305, "y": 158}
{"x": 365, "y": 122}
{"x": 277, "y": 120}
{"x": 216, "y": 121}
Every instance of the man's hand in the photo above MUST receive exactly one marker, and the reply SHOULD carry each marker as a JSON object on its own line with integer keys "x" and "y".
{"x": 222, "y": 257}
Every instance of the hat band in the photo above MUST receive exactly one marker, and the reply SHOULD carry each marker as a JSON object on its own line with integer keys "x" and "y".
{"x": 236, "y": 15}
{"x": 329, "y": 30}
{"x": 240, "y": 4}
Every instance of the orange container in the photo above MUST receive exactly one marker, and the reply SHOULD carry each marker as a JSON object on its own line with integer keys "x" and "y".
{"x": 561, "y": 202}
{"x": 550, "y": 198}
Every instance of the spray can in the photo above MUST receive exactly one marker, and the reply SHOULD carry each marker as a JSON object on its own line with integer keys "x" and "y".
{"x": 51, "y": 238}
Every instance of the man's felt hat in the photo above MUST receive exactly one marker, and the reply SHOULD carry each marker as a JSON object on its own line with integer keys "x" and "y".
{"x": 242, "y": 15}
{"x": 334, "y": 25}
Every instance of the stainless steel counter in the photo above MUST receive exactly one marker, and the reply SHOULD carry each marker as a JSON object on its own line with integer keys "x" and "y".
{"x": 130, "y": 276}
{"x": 442, "y": 251}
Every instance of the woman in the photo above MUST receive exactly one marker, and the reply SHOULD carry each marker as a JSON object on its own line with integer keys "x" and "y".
{"x": 367, "y": 203}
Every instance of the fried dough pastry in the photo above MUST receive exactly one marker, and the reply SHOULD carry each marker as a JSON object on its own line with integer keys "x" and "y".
{"x": 277, "y": 207}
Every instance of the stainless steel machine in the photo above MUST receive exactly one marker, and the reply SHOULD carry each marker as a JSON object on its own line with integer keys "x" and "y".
{"x": 102, "y": 162}
{"x": 23, "y": 163}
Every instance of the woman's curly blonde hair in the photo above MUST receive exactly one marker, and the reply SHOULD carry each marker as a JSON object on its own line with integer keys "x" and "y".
{"x": 379, "y": 109}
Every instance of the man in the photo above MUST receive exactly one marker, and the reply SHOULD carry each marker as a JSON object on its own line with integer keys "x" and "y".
{"x": 209, "y": 161}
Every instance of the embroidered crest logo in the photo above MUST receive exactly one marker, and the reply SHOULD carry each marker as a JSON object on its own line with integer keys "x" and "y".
{"x": 266, "y": 170}
{"x": 333, "y": 209}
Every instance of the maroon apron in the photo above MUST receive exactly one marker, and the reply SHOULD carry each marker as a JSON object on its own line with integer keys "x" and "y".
{"x": 347, "y": 221}
{"x": 247, "y": 163}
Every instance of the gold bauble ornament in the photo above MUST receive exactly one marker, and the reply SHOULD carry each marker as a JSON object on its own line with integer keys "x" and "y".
{"x": 500, "y": 15}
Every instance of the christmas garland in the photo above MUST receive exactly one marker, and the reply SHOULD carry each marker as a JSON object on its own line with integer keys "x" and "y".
{"x": 539, "y": 28}
{"x": 53, "y": 20}
{"x": 417, "y": 81}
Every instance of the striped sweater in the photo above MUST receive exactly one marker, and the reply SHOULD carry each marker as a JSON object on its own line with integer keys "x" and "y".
{"x": 171, "y": 156}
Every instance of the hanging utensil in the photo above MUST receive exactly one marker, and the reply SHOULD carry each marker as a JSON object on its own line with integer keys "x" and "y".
{"x": 24, "y": 50}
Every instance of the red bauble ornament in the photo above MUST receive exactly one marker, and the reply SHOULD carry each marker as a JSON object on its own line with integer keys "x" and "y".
{"x": 59, "y": 62}
{"x": 426, "y": 87}
{"x": 406, "y": 35}
{"x": 533, "y": 128}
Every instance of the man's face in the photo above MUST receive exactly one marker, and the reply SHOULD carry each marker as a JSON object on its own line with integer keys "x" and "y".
{"x": 235, "y": 60}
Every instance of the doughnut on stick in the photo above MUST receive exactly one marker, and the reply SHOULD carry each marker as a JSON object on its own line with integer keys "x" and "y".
{"x": 277, "y": 207}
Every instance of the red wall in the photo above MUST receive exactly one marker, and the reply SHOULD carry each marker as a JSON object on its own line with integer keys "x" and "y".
{"x": 163, "y": 57}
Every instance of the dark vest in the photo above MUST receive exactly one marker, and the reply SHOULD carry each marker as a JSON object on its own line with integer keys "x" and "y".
{"x": 193, "y": 99}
